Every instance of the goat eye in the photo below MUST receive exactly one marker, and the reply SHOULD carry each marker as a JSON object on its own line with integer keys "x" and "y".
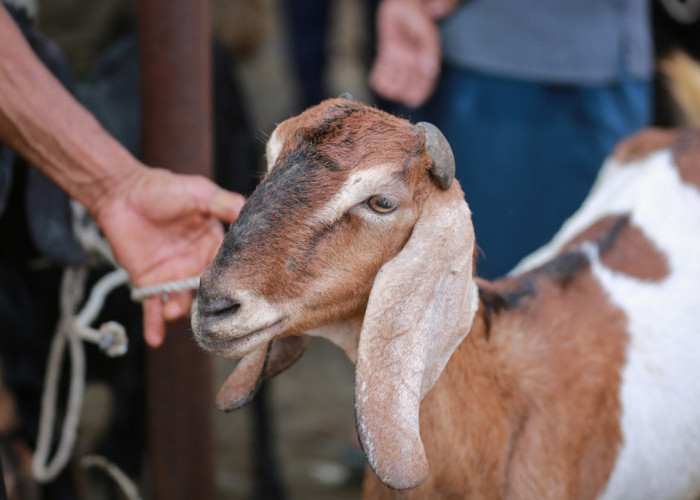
{"x": 381, "y": 205}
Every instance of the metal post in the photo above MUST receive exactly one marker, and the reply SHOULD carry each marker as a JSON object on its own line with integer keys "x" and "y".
{"x": 177, "y": 134}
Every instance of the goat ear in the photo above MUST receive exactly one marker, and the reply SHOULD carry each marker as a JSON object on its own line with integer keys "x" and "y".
{"x": 265, "y": 362}
{"x": 243, "y": 383}
{"x": 284, "y": 353}
{"x": 419, "y": 310}
{"x": 440, "y": 152}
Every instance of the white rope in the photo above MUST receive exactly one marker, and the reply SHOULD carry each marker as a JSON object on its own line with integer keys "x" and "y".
{"x": 88, "y": 234}
{"x": 127, "y": 486}
{"x": 111, "y": 337}
{"x": 683, "y": 11}
{"x": 138, "y": 294}
{"x": 44, "y": 470}
{"x": 73, "y": 328}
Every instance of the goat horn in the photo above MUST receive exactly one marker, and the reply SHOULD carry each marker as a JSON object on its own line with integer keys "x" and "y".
{"x": 440, "y": 152}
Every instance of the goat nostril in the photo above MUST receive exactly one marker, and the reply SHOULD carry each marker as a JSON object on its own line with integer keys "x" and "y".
{"x": 217, "y": 307}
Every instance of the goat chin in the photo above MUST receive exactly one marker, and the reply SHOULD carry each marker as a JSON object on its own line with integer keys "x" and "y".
{"x": 567, "y": 379}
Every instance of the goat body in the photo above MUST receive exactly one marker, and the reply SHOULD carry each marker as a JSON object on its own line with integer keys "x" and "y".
{"x": 575, "y": 377}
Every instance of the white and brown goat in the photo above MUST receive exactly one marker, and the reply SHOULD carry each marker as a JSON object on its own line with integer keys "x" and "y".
{"x": 576, "y": 378}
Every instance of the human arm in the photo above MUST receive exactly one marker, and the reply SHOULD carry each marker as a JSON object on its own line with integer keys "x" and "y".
{"x": 161, "y": 226}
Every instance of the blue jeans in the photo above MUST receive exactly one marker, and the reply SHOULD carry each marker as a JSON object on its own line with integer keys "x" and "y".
{"x": 527, "y": 153}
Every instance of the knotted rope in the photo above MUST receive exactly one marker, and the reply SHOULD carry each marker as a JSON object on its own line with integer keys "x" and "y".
{"x": 73, "y": 328}
{"x": 138, "y": 294}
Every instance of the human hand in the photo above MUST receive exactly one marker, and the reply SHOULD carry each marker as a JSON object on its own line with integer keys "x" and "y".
{"x": 437, "y": 9}
{"x": 408, "y": 52}
{"x": 162, "y": 227}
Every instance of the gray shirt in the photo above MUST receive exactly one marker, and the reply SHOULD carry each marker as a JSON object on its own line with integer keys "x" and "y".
{"x": 556, "y": 41}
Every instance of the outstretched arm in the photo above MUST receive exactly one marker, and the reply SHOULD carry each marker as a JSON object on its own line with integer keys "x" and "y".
{"x": 161, "y": 226}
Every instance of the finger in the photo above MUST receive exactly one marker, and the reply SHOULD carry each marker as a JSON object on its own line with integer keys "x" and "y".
{"x": 380, "y": 77}
{"x": 375, "y": 77}
{"x": 424, "y": 83}
{"x": 427, "y": 69}
{"x": 403, "y": 80}
{"x": 380, "y": 81}
{"x": 406, "y": 78}
{"x": 153, "y": 323}
{"x": 390, "y": 79}
{"x": 178, "y": 305}
{"x": 213, "y": 200}
{"x": 437, "y": 9}
{"x": 428, "y": 60}
{"x": 226, "y": 205}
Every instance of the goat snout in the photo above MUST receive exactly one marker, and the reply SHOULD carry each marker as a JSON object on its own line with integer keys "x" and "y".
{"x": 231, "y": 323}
{"x": 216, "y": 308}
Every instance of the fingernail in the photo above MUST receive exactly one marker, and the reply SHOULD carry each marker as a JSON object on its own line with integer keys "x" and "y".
{"x": 172, "y": 311}
{"x": 153, "y": 339}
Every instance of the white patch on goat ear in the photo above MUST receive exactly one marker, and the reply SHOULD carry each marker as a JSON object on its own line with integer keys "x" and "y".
{"x": 361, "y": 184}
{"x": 273, "y": 147}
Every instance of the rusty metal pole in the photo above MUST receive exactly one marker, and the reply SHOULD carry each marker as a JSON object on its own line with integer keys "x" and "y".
{"x": 177, "y": 134}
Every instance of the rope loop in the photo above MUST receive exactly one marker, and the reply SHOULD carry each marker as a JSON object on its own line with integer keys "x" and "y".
{"x": 73, "y": 328}
{"x": 43, "y": 469}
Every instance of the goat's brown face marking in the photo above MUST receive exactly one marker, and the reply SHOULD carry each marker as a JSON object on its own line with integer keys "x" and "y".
{"x": 313, "y": 213}
{"x": 315, "y": 160}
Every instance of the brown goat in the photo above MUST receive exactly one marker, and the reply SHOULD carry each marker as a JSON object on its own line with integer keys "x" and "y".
{"x": 573, "y": 379}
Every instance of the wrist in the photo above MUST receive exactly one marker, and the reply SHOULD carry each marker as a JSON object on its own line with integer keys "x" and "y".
{"x": 107, "y": 186}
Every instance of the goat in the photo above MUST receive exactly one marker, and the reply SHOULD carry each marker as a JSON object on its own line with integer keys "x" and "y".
{"x": 574, "y": 378}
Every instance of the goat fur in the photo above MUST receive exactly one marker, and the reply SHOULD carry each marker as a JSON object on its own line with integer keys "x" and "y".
{"x": 525, "y": 391}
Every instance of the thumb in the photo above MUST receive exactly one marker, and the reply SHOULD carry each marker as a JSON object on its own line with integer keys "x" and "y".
{"x": 226, "y": 205}
{"x": 214, "y": 201}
